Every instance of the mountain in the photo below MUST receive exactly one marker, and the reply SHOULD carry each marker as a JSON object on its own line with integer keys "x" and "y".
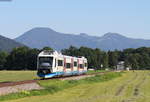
{"x": 40, "y": 37}
{"x": 112, "y": 41}
{"x": 7, "y": 44}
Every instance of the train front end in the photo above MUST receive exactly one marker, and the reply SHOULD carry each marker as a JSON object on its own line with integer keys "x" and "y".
{"x": 45, "y": 63}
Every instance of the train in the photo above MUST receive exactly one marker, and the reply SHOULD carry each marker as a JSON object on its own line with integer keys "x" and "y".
{"x": 54, "y": 64}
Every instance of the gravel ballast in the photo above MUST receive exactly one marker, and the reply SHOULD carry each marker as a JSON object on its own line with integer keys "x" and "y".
{"x": 18, "y": 88}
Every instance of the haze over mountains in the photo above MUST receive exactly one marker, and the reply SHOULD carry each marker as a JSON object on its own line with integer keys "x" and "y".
{"x": 40, "y": 37}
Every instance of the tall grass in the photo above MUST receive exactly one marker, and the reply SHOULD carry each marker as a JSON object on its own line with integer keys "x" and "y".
{"x": 53, "y": 86}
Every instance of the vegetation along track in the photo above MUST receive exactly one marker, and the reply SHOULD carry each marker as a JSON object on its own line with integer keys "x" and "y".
{"x": 135, "y": 89}
{"x": 76, "y": 77}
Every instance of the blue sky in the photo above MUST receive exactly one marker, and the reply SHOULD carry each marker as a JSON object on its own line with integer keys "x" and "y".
{"x": 94, "y": 17}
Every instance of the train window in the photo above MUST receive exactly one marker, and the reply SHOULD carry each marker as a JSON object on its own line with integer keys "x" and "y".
{"x": 46, "y": 60}
{"x": 81, "y": 65}
{"x": 68, "y": 65}
{"x": 85, "y": 64}
{"x": 60, "y": 63}
{"x": 55, "y": 62}
{"x": 75, "y": 64}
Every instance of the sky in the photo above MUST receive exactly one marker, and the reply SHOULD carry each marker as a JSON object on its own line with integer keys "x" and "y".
{"x": 94, "y": 17}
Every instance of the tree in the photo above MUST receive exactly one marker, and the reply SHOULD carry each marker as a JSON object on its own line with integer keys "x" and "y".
{"x": 133, "y": 61}
{"x": 91, "y": 56}
{"x": 144, "y": 61}
{"x": 32, "y": 59}
{"x": 3, "y": 56}
{"x": 72, "y": 51}
{"x": 105, "y": 60}
{"x": 24, "y": 58}
{"x": 113, "y": 59}
{"x": 47, "y": 48}
{"x": 17, "y": 59}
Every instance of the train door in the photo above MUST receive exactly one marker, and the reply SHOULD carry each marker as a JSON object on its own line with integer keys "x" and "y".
{"x": 75, "y": 66}
{"x": 81, "y": 65}
{"x": 72, "y": 65}
{"x": 85, "y": 65}
{"x": 64, "y": 69}
{"x": 68, "y": 66}
{"x": 60, "y": 66}
{"x": 78, "y": 65}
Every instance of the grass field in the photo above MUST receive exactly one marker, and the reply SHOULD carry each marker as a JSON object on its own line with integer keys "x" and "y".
{"x": 55, "y": 85}
{"x": 95, "y": 71}
{"x": 8, "y": 76}
{"x": 130, "y": 87}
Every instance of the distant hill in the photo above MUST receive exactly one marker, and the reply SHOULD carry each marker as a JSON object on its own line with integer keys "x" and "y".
{"x": 112, "y": 41}
{"x": 40, "y": 37}
{"x": 7, "y": 44}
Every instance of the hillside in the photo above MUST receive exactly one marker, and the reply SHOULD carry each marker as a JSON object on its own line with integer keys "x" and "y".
{"x": 112, "y": 41}
{"x": 7, "y": 44}
{"x": 40, "y": 37}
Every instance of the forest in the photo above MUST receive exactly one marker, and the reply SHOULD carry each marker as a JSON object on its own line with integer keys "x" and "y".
{"x": 24, "y": 58}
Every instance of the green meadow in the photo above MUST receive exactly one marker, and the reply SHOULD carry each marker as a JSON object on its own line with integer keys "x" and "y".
{"x": 9, "y": 76}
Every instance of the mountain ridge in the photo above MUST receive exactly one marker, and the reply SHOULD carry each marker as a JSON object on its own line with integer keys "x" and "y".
{"x": 40, "y": 36}
{"x": 7, "y": 44}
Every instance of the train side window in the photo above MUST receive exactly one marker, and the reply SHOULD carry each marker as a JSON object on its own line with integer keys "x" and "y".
{"x": 60, "y": 63}
{"x": 81, "y": 65}
{"x": 85, "y": 64}
{"x": 75, "y": 64}
{"x": 68, "y": 65}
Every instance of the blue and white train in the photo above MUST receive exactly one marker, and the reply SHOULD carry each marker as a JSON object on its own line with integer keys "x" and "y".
{"x": 52, "y": 63}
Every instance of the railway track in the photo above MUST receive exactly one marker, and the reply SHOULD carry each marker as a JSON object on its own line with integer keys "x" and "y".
{"x": 75, "y": 77}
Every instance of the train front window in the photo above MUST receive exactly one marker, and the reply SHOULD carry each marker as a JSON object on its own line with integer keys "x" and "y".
{"x": 45, "y": 62}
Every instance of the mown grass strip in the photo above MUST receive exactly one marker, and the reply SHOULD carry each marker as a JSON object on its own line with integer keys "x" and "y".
{"x": 95, "y": 71}
{"x": 53, "y": 86}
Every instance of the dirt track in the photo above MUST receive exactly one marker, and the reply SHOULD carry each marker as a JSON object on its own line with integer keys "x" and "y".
{"x": 4, "y": 84}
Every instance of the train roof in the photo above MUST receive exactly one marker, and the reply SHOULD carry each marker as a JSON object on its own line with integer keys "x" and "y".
{"x": 47, "y": 53}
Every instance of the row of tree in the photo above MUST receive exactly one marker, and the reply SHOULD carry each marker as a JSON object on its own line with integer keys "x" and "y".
{"x": 24, "y": 58}
{"x": 134, "y": 58}
{"x": 21, "y": 58}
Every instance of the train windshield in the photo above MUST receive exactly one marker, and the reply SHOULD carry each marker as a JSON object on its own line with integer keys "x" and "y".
{"x": 45, "y": 62}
